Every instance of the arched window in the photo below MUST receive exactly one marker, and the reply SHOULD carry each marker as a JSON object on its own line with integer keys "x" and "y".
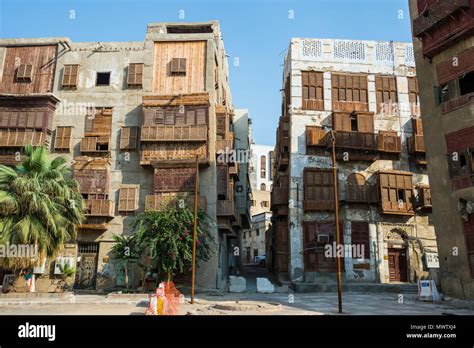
{"x": 263, "y": 187}
{"x": 263, "y": 167}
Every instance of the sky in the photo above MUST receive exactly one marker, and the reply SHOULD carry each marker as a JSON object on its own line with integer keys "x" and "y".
{"x": 256, "y": 32}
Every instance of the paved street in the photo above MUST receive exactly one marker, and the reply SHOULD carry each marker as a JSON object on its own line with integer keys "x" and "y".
{"x": 248, "y": 304}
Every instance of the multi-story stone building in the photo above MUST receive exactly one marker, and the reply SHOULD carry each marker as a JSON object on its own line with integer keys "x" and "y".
{"x": 261, "y": 173}
{"x": 444, "y": 50}
{"x": 365, "y": 95}
{"x": 133, "y": 117}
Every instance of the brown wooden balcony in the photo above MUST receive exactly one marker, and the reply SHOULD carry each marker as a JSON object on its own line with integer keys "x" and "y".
{"x": 174, "y": 133}
{"x": 227, "y": 208}
{"x": 95, "y": 144}
{"x": 279, "y": 196}
{"x": 416, "y": 144}
{"x": 444, "y": 23}
{"x": 20, "y": 138}
{"x": 390, "y": 142}
{"x": 100, "y": 207}
{"x": 158, "y": 202}
{"x": 438, "y": 11}
{"x": 361, "y": 194}
{"x": 397, "y": 208}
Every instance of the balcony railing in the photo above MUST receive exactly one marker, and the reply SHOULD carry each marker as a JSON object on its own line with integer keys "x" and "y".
{"x": 397, "y": 208}
{"x": 457, "y": 103}
{"x": 283, "y": 161}
{"x": 356, "y": 140}
{"x": 158, "y": 202}
{"x": 20, "y": 138}
{"x": 361, "y": 194}
{"x": 174, "y": 133}
{"x": 100, "y": 207}
{"x": 416, "y": 144}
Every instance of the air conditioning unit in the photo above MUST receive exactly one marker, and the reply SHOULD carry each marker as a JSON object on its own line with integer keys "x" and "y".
{"x": 61, "y": 261}
{"x": 323, "y": 238}
{"x": 40, "y": 269}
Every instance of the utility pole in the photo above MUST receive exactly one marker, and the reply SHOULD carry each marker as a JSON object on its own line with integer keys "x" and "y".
{"x": 193, "y": 277}
{"x": 336, "y": 221}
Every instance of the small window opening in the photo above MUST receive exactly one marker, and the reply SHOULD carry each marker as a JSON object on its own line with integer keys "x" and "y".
{"x": 103, "y": 79}
{"x": 354, "y": 126}
{"x": 462, "y": 160}
{"x": 401, "y": 195}
{"x": 466, "y": 83}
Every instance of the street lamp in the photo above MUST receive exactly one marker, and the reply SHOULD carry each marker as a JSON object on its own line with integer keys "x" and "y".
{"x": 336, "y": 215}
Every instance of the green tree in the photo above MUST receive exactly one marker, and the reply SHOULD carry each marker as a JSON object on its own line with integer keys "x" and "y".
{"x": 125, "y": 249}
{"x": 165, "y": 238}
{"x": 40, "y": 204}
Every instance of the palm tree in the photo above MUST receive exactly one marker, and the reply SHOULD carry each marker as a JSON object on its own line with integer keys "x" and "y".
{"x": 40, "y": 204}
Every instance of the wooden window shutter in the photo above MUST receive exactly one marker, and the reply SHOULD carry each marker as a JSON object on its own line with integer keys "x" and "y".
{"x": 128, "y": 198}
{"x": 63, "y": 138}
{"x": 417, "y": 126}
{"x": 341, "y": 121}
{"x": 413, "y": 90}
{"x": 318, "y": 190}
{"x": 386, "y": 91}
{"x": 201, "y": 118}
{"x": 70, "y": 75}
{"x": 128, "y": 138}
{"x": 159, "y": 117}
{"x": 24, "y": 72}
{"x": 135, "y": 74}
{"x": 360, "y": 236}
{"x": 313, "y": 90}
{"x": 178, "y": 66}
{"x": 365, "y": 123}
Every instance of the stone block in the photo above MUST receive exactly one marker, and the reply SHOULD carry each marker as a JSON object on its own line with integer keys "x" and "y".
{"x": 237, "y": 284}
{"x": 265, "y": 286}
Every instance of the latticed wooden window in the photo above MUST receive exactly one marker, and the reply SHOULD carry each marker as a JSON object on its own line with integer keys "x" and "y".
{"x": 386, "y": 90}
{"x": 349, "y": 92}
{"x": 318, "y": 189}
{"x": 135, "y": 74}
{"x": 178, "y": 66}
{"x": 24, "y": 72}
{"x": 128, "y": 138}
{"x": 396, "y": 191}
{"x": 63, "y": 138}
{"x": 189, "y": 116}
{"x": 360, "y": 237}
{"x": 70, "y": 75}
{"x": 413, "y": 93}
{"x": 128, "y": 198}
{"x": 313, "y": 90}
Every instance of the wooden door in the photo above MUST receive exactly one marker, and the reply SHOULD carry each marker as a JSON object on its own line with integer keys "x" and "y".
{"x": 86, "y": 266}
{"x": 397, "y": 265}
